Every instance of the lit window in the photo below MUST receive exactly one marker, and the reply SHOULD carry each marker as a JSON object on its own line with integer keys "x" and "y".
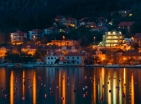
{"x": 130, "y": 14}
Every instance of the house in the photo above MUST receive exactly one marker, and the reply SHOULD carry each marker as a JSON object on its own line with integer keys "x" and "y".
{"x": 29, "y": 48}
{"x": 36, "y": 34}
{"x": 52, "y": 57}
{"x": 125, "y": 25}
{"x": 3, "y": 50}
{"x": 101, "y": 19}
{"x": 123, "y": 13}
{"x": 102, "y": 29}
{"x": 64, "y": 31}
{"x": 82, "y": 21}
{"x": 100, "y": 53}
{"x": 73, "y": 58}
{"x": 137, "y": 38}
{"x": 51, "y": 30}
{"x": 101, "y": 23}
{"x": 58, "y": 18}
{"x": 69, "y": 22}
{"x": 67, "y": 49}
{"x": 90, "y": 24}
{"x": 63, "y": 43}
{"x": 18, "y": 37}
{"x": 113, "y": 38}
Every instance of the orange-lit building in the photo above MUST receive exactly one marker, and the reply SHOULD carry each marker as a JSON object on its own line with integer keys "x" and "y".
{"x": 18, "y": 37}
{"x": 63, "y": 42}
{"x": 137, "y": 38}
{"x": 3, "y": 50}
{"x": 30, "y": 49}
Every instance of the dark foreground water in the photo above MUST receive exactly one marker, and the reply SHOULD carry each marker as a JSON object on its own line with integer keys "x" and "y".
{"x": 115, "y": 86}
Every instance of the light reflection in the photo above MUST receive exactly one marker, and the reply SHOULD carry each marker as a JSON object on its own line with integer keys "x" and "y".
{"x": 11, "y": 88}
{"x": 34, "y": 87}
{"x": 63, "y": 87}
{"x": 23, "y": 82}
{"x": 94, "y": 88}
{"x": 59, "y": 84}
{"x": 103, "y": 81}
{"x": 132, "y": 88}
{"x": 114, "y": 89}
{"x": 109, "y": 88}
{"x": 124, "y": 87}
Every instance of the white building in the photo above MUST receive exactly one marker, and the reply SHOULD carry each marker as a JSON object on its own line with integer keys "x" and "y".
{"x": 53, "y": 56}
{"x": 36, "y": 34}
{"x": 18, "y": 36}
{"x": 74, "y": 58}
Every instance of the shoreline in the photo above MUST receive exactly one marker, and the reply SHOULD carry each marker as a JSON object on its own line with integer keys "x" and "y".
{"x": 44, "y": 65}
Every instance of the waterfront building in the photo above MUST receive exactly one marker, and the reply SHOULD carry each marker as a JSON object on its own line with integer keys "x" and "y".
{"x": 63, "y": 42}
{"x": 18, "y": 37}
{"x": 113, "y": 38}
{"x": 3, "y": 50}
{"x": 29, "y": 48}
{"x": 137, "y": 39}
{"x": 51, "y": 30}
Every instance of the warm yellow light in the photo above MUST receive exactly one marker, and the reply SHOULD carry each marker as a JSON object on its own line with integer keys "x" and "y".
{"x": 34, "y": 36}
{"x": 109, "y": 33}
{"x": 94, "y": 37}
{"x": 130, "y": 14}
{"x": 103, "y": 58}
{"x": 132, "y": 38}
{"x": 113, "y": 32}
{"x": 124, "y": 58}
{"x": 63, "y": 37}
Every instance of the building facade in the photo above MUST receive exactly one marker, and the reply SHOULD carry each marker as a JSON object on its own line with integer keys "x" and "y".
{"x": 36, "y": 34}
{"x": 51, "y": 30}
{"x": 18, "y": 37}
{"x": 137, "y": 39}
{"x": 63, "y": 42}
{"x": 113, "y": 38}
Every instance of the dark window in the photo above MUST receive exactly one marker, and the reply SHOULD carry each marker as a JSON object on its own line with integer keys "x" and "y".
{"x": 77, "y": 62}
{"x": 77, "y": 57}
{"x": 51, "y": 57}
{"x": 64, "y": 62}
{"x": 48, "y": 57}
{"x": 67, "y": 57}
{"x": 72, "y": 57}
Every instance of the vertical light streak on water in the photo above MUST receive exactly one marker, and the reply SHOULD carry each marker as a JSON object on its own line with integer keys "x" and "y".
{"x": 132, "y": 88}
{"x": 34, "y": 87}
{"x": 23, "y": 83}
{"x": 94, "y": 88}
{"x": 109, "y": 88}
{"x": 11, "y": 88}
{"x": 114, "y": 89}
{"x": 64, "y": 87}
{"x": 124, "y": 87}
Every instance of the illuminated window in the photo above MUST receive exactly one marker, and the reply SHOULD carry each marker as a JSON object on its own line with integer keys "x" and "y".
{"x": 130, "y": 14}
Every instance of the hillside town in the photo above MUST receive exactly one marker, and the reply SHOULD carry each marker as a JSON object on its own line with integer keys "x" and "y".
{"x": 114, "y": 47}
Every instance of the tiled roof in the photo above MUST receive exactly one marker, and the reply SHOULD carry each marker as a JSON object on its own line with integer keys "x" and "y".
{"x": 137, "y": 35}
{"x": 82, "y": 19}
{"x": 32, "y": 46}
{"x": 100, "y": 18}
{"x": 37, "y": 30}
{"x": 73, "y": 54}
{"x": 57, "y": 53}
{"x": 99, "y": 27}
{"x": 19, "y": 32}
{"x": 131, "y": 54}
{"x": 58, "y": 17}
{"x": 52, "y": 28}
{"x": 125, "y": 23}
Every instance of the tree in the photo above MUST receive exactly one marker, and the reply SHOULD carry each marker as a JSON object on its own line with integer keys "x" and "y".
{"x": 136, "y": 45}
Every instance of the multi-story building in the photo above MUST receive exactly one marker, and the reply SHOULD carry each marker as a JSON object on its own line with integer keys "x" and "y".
{"x": 113, "y": 38}
{"x": 125, "y": 25}
{"x": 30, "y": 49}
{"x": 69, "y": 22}
{"x": 18, "y": 37}
{"x": 63, "y": 42}
{"x": 52, "y": 57}
{"x": 137, "y": 38}
{"x": 51, "y": 30}
{"x": 36, "y": 34}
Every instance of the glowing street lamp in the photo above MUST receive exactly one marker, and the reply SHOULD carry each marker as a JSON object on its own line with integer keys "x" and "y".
{"x": 94, "y": 40}
{"x": 63, "y": 37}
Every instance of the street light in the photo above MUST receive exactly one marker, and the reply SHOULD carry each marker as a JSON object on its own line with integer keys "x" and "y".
{"x": 34, "y": 37}
{"x": 94, "y": 40}
{"x": 63, "y": 37}
{"x": 132, "y": 38}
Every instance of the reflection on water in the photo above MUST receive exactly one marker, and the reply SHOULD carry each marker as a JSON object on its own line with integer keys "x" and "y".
{"x": 111, "y": 84}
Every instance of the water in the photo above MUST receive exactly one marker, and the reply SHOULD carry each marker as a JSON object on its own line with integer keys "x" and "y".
{"x": 96, "y": 79}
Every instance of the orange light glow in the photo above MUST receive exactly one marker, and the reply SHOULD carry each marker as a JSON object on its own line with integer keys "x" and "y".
{"x": 23, "y": 82}
{"x": 11, "y": 88}
{"x": 64, "y": 87}
{"x": 132, "y": 88}
{"x": 34, "y": 88}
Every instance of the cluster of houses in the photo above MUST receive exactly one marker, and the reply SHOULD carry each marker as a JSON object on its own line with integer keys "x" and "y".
{"x": 69, "y": 24}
